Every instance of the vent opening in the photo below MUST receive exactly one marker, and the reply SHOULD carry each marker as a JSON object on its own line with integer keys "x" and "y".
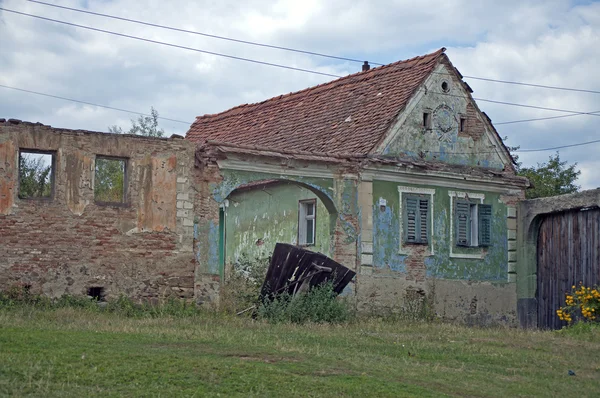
{"x": 96, "y": 292}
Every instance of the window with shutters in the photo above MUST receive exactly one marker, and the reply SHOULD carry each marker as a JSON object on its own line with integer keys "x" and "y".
{"x": 416, "y": 219}
{"x": 307, "y": 220}
{"x": 472, "y": 223}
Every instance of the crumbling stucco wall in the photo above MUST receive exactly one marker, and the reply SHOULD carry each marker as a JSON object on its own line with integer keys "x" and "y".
{"x": 456, "y": 131}
{"x": 473, "y": 285}
{"x": 220, "y": 174}
{"x": 258, "y": 217}
{"x": 69, "y": 243}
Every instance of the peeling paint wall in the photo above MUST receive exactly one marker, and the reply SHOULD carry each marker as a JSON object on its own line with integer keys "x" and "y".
{"x": 335, "y": 190}
{"x": 257, "y": 219}
{"x": 475, "y": 145}
{"x": 396, "y": 267}
{"x": 142, "y": 248}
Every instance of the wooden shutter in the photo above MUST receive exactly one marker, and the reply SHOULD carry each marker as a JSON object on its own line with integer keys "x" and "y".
{"x": 463, "y": 223}
{"x": 423, "y": 217}
{"x": 485, "y": 225}
{"x": 410, "y": 223}
{"x": 416, "y": 215}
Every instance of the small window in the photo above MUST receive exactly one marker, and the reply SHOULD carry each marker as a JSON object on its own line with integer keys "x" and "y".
{"x": 110, "y": 180}
{"x": 416, "y": 219}
{"x": 445, "y": 86}
{"x": 36, "y": 174}
{"x": 307, "y": 220}
{"x": 427, "y": 120}
{"x": 463, "y": 124}
{"x": 473, "y": 224}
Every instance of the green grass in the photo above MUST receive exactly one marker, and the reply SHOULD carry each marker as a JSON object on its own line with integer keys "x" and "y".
{"x": 76, "y": 352}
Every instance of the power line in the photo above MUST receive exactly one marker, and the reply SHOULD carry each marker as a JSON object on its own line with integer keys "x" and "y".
{"x": 259, "y": 62}
{"x": 170, "y": 44}
{"x": 91, "y": 103}
{"x": 189, "y": 123}
{"x": 534, "y": 107}
{"x": 518, "y": 150}
{"x": 558, "y": 147}
{"x": 252, "y": 43}
{"x": 199, "y": 33}
{"x": 580, "y": 90}
{"x": 545, "y": 118}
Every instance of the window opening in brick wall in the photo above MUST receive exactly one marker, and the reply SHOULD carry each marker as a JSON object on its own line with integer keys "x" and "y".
{"x": 307, "y": 220}
{"x": 96, "y": 293}
{"x": 110, "y": 180}
{"x": 463, "y": 123}
{"x": 36, "y": 174}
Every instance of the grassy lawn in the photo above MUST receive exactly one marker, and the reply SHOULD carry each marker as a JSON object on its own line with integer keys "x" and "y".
{"x": 71, "y": 352}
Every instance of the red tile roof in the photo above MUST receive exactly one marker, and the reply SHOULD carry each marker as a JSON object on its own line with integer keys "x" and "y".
{"x": 346, "y": 116}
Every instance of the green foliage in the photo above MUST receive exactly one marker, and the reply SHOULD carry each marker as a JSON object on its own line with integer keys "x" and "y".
{"x": 109, "y": 180}
{"x": 19, "y": 297}
{"x": 319, "y": 305}
{"x": 243, "y": 283}
{"x": 551, "y": 178}
{"x": 34, "y": 176}
{"x": 145, "y": 125}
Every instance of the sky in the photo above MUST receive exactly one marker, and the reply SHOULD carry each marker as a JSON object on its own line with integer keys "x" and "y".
{"x": 551, "y": 42}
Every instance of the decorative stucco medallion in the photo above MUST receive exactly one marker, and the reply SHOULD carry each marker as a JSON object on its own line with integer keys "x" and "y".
{"x": 445, "y": 123}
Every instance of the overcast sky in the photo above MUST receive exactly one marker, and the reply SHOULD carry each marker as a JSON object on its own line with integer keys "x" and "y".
{"x": 553, "y": 43}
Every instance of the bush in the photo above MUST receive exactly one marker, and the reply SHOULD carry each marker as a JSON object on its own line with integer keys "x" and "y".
{"x": 581, "y": 303}
{"x": 319, "y": 305}
{"x": 243, "y": 284}
{"x": 20, "y": 297}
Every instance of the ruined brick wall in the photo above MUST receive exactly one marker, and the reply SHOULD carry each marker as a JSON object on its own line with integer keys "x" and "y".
{"x": 69, "y": 243}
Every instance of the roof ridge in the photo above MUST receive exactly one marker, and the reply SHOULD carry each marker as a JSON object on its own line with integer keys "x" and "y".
{"x": 372, "y": 72}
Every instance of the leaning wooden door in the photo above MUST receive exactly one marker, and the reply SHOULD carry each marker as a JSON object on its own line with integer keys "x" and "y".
{"x": 568, "y": 251}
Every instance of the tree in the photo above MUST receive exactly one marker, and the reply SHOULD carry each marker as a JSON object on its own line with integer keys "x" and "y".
{"x": 145, "y": 125}
{"x": 109, "y": 180}
{"x": 34, "y": 176}
{"x": 551, "y": 178}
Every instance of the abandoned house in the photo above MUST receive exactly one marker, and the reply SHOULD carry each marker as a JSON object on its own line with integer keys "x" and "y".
{"x": 393, "y": 171}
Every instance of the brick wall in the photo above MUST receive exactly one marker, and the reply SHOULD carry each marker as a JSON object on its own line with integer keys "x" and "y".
{"x": 69, "y": 243}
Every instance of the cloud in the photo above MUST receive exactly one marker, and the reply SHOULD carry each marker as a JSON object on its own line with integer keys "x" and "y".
{"x": 552, "y": 43}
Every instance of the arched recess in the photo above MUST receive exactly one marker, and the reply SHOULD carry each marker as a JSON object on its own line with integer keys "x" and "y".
{"x": 257, "y": 214}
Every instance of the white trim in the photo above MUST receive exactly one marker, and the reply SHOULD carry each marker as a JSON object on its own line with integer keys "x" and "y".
{"x": 282, "y": 171}
{"x": 462, "y": 195}
{"x": 437, "y": 178}
{"x": 416, "y": 191}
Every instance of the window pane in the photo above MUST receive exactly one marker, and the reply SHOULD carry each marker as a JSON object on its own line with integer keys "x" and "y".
{"x": 310, "y": 209}
{"x": 109, "y": 182}
{"x": 310, "y": 232}
{"x": 35, "y": 175}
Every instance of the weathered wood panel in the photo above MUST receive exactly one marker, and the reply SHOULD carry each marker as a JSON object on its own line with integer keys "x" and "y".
{"x": 568, "y": 252}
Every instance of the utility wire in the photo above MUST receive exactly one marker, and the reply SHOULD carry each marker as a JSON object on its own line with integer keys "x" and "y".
{"x": 91, "y": 103}
{"x": 260, "y": 62}
{"x": 170, "y": 44}
{"x": 580, "y": 90}
{"x": 544, "y": 118}
{"x": 199, "y": 33}
{"x": 518, "y": 150}
{"x": 189, "y": 123}
{"x": 292, "y": 49}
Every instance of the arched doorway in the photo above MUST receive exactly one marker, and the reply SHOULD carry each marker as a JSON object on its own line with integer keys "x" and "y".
{"x": 257, "y": 215}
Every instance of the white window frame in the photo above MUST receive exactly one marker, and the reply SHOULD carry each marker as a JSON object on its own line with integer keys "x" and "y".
{"x": 403, "y": 249}
{"x": 303, "y": 217}
{"x": 474, "y": 230}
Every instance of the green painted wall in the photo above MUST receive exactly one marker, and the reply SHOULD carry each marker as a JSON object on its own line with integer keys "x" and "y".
{"x": 386, "y": 237}
{"x": 256, "y": 219}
